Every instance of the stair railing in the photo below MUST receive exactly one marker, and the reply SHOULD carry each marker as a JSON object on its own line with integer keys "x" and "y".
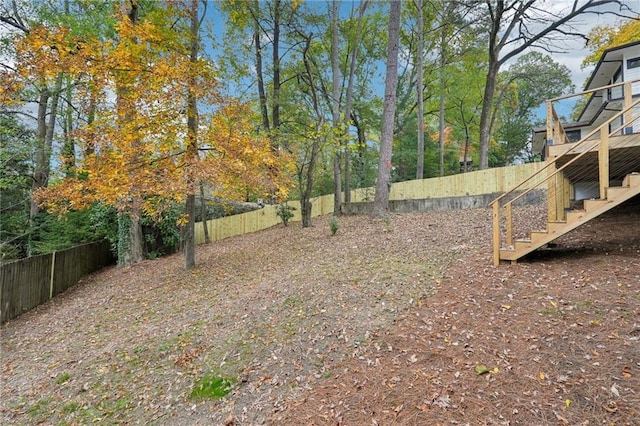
{"x": 549, "y": 171}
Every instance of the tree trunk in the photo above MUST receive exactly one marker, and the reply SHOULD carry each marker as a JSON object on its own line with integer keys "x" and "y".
{"x": 361, "y": 172}
{"x": 419, "y": 91}
{"x": 443, "y": 86}
{"x": 41, "y": 155}
{"x": 130, "y": 248}
{"x": 68, "y": 149}
{"x": 349, "y": 103}
{"x": 335, "y": 70}
{"x": 485, "y": 115}
{"x": 91, "y": 116}
{"x": 260, "y": 77}
{"x": 383, "y": 183}
{"x": 275, "y": 101}
{"x": 189, "y": 244}
{"x": 466, "y": 149}
{"x": 307, "y": 186}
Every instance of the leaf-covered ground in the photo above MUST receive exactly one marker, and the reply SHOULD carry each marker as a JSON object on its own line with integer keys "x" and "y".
{"x": 399, "y": 321}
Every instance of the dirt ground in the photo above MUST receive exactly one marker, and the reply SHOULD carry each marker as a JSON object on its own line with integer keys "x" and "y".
{"x": 400, "y": 321}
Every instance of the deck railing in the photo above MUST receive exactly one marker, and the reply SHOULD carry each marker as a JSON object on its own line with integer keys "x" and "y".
{"x": 551, "y": 181}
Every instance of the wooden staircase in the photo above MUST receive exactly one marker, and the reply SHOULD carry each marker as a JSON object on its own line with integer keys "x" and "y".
{"x": 616, "y": 195}
{"x": 608, "y": 153}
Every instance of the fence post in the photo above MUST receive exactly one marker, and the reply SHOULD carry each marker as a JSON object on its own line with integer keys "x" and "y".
{"x": 53, "y": 269}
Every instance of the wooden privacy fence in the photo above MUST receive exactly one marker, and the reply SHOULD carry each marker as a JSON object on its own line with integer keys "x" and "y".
{"x": 27, "y": 283}
{"x": 480, "y": 182}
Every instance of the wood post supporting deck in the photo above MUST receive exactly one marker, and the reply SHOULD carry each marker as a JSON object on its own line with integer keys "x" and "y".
{"x": 496, "y": 233}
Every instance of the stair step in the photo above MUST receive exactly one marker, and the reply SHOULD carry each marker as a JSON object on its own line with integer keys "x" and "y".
{"x": 575, "y": 215}
{"x": 632, "y": 179}
{"x": 522, "y": 244}
{"x": 616, "y": 192}
{"x": 538, "y": 235}
{"x": 591, "y": 205}
{"x": 509, "y": 254}
{"x": 553, "y": 227}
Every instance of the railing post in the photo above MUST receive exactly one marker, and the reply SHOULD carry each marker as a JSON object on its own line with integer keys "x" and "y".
{"x": 552, "y": 210}
{"x": 496, "y": 233}
{"x": 549, "y": 120}
{"x": 603, "y": 162}
{"x": 566, "y": 195}
{"x": 628, "y": 99}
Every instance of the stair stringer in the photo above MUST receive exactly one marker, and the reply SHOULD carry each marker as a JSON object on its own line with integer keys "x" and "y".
{"x": 593, "y": 208}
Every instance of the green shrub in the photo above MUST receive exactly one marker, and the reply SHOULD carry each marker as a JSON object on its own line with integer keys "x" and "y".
{"x": 285, "y": 212}
{"x": 333, "y": 225}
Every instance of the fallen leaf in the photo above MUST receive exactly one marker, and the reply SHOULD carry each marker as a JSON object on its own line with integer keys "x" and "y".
{"x": 481, "y": 369}
{"x": 424, "y": 408}
{"x": 614, "y": 391}
{"x": 561, "y": 420}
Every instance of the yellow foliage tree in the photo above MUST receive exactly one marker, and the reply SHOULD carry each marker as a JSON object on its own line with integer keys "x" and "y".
{"x": 605, "y": 37}
{"x": 136, "y": 146}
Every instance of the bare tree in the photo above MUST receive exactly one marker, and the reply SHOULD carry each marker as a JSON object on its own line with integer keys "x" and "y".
{"x": 383, "y": 182}
{"x": 517, "y": 25}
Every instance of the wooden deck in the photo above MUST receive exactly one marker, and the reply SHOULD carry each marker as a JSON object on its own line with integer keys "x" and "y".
{"x": 624, "y": 158}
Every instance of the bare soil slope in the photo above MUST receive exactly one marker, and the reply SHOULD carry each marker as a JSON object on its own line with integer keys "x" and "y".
{"x": 402, "y": 321}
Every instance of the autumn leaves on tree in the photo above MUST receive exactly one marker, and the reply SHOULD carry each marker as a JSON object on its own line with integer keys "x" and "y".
{"x": 133, "y": 87}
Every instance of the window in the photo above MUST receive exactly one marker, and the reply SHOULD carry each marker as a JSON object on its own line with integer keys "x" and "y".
{"x": 633, "y": 63}
{"x": 573, "y": 135}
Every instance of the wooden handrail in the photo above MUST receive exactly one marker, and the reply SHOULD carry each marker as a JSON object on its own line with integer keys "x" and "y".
{"x": 597, "y": 89}
{"x": 574, "y": 146}
{"x": 586, "y": 151}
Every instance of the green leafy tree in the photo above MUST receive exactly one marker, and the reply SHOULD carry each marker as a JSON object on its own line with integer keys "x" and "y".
{"x": 532, "y": 79}
{"x": 16, "y": 169}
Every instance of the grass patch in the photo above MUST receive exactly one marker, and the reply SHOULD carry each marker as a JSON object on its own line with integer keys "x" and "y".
{"x": 64, "y": 377}
{"x": 210, "y": 387}
{"x": 38, "y": 410}
{"x": 70, "y": 407}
